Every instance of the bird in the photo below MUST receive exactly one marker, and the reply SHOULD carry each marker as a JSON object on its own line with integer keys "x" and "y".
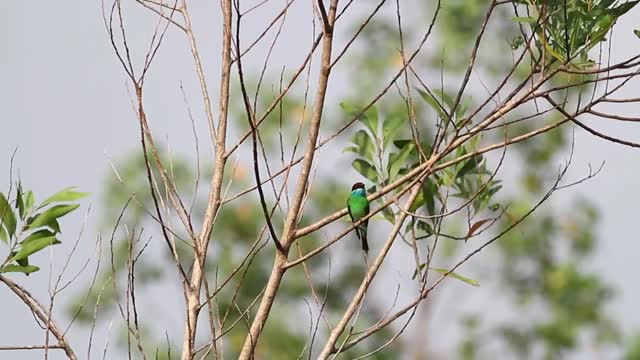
{"x": 358, "y": 207}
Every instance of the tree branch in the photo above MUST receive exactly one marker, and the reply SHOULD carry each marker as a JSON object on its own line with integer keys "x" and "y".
{"x": 41, "y": 314}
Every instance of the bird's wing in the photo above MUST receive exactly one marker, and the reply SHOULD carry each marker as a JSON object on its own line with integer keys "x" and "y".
{"x": 349, "y": 210}
{"x": 366, "y": 212}
{"x": 353, "y": 221}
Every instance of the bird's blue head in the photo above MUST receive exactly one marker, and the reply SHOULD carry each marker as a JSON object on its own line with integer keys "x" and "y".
{"x": 358, "y": 189}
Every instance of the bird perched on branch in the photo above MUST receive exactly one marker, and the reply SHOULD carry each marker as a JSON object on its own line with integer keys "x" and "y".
{"x": 358, "y": 207}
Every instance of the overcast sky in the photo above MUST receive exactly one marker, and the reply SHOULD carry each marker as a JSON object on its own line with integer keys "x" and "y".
{"x": 65, "y": 107}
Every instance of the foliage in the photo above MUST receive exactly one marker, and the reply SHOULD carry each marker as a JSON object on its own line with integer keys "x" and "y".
{"x": 567, "y": 30}
{"x": 27, "y": 228}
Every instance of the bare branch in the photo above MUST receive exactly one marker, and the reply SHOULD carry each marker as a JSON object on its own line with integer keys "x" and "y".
{"x": 41, "y": 313}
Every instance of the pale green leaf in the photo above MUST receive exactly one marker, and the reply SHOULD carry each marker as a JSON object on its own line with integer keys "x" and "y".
{"x": 456, "y": 276}
{"x": 34, "y": 246}
{"x": 365, "y": 169}
{"x": 37, "y": 235}
{"x": 24, "y": 202}
{"x": 29, "y": 199}
{"x": 388, "y": 215}
{"x": 49, "y": 217}
{"x": 399, "y": 161}
{"x": 429, "y": 191}
{"x": 363, "y": 145}
{"x": 19, "y": 201}
{"x": 469, "y": 166}
{"x": 425, "y": 227}
{"x": 3, "y": 235}
{"x": 552, "y": 52}
{"x": 17, "y": 268}
{"x": 369, "y": 118}
{"x": 524, "y": 19}
{"x": 68, "y": 194}
{"x": 417, "y": 203}
{"x": 7, "y": 217}
{"x": 390, "y": 128}
{"x": 435, "y": 104}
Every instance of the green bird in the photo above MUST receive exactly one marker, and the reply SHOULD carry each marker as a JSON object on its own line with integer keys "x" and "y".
{"x": 358, "y": 207}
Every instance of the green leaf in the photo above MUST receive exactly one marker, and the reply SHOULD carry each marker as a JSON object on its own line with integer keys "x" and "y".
{"x": 549, "y": 49}
{"x": 516, "y": 42}
{"x": 390, "y": 128}
{"x": 38, "y": 235}
{"x": 623, "y": 8}
{"x": 34, "y": 246}
{"x": 50, "y": 216}
{"x": 456, "y": 276}
{"x": 365, "y": 169}
{"x": 24, "y": 201}
{"x": 485, "y": 196}
{"x": 415, "y": 272}
{"x": 418, "y": 203}
{"x": 369, "y": 118}
{"x": 7, "y": 217}
{"x": 470, "y": 165}
{"x": 398, "y": 161}
{"x": 388, "y": 215}
{"x": 19, "y": 202}
{"x": 17, "y": 268}
{"x": 435, "y": 104}
{"x": 424, "y": 145}
{"x": 426, "y": 148}
{"x": 429, "y": 190}
{"x": 408, "y": 227}
{"x": 65, "y": 195}
{"x": 400, "y": 144}
{"x": 23, "y": 262}
{"x": 3, "y": 235}
{"x": 448, "y": 177}
{"x": 461, "y": 110}
{"x": 364, "y": 145}
{"x": 426, "y": 227}
{"x": 28, "y": 199}
{"x": 494, "y": 189}
{"x": 445, "y": 97}
{"x": 524, "y": 19}
{"x": 637, "y": 33}
{"x": 604, "y": 25}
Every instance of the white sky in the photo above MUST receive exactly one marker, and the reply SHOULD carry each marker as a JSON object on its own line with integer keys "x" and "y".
{"x": 64, "y": 104}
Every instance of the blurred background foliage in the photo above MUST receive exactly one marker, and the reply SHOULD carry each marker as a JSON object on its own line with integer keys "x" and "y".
{"x": 542, "y": 267}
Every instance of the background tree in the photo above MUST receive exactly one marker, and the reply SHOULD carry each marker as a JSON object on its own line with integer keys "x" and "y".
{"x": 429, "y": 139}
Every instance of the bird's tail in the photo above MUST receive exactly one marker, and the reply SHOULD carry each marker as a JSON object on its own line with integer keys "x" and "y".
{"x": 362, "y": 234}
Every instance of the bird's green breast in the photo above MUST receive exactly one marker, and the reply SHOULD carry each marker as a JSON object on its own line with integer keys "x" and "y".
{"x": 358, "y": 205}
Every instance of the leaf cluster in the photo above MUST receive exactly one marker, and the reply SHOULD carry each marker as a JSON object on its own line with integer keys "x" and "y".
{"x": 27, "y": 228}
{"x": 567, "y": 30}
